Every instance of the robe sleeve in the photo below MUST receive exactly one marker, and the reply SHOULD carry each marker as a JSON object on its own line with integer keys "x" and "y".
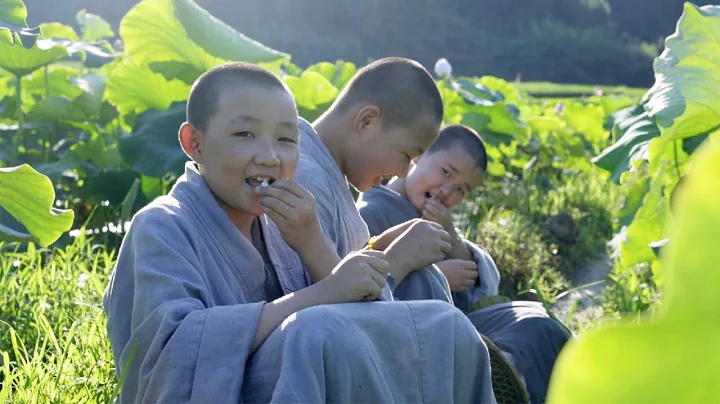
{"x": 488, "y": 281}
{"x": 314, "y": 179}
{"x": 374, "y": 217}
{"x": 171, "y": 342}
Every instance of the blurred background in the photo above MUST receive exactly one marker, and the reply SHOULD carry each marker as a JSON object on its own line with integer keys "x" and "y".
{"x": 608, "y": 42}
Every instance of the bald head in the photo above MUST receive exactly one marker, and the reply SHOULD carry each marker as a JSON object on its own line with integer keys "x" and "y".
{"x": 207, "y": 89}
{"x": 401, "y": 88}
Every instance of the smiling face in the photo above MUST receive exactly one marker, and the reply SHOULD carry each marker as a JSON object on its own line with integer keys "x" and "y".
{"x": 448, "y": 175}
{"x": 382, "y": 153}
{"x": 253, "y": 135}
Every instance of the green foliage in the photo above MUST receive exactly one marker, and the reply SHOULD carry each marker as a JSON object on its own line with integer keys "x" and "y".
{"x": 53, "y": 342}
{"x": 28, "y": 196}
{"x": 628, "y": 361}
{"x": 655, "y": 142}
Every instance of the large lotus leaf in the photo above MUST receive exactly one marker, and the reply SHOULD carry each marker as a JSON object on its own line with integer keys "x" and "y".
{"x": 29, "y": 196}
{"x": 181, "y": 31}
{"x": 13, "y": 13}
{"x": 311, "y": 89}
{"x": 133, "y": 87}
{"x": 338, "y": 73}
{"x": 686, "y": 96}
{"x": 502, "y": 121}
{"x": 153, "y": 149}
{"x": 509, "y": 92}
{"x": 55, "y": 108}
{"x": 586, "y": 119}
{"x": 92, "y": 88}
{"x": 94, "y": 28}
{"x": 60, "y": 81}
{"x": 93, "y": 55}
{"x": 673, "y": 357}
{"x": 21, "y": 61}
{"x": 635, "y": 134}
{"x": 55, "y": 30}
{"x": 182, "y": 71}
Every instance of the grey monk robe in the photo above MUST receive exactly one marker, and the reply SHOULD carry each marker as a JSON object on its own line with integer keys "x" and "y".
{"x": 319, "y": 173}
{"x": 185, "y": 298}
{"x": 523, "y": 330}
{"x": 382, "y": 208}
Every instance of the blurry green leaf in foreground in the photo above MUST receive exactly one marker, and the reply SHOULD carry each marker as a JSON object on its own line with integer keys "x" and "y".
{"x": 182, "y": 31}
{"x": 29, "y": 196}
{"x": 689, "y": 70}
{"x": 674, "y": 358}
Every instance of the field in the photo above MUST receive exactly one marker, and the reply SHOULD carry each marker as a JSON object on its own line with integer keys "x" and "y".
{"x": 575, "y": 174}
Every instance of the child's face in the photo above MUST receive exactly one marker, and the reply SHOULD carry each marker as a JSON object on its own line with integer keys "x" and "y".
{"x": 383, "y": 153}
{"x": 253, "y": 134}
{"x": 449, "y": 175}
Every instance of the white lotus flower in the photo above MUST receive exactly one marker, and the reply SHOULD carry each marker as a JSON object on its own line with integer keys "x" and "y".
{"x": 443, "y": 68}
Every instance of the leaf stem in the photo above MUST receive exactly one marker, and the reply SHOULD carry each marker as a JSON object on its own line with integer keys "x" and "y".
{"x": 20, "y": 118}
{"x": 677, "y": 165}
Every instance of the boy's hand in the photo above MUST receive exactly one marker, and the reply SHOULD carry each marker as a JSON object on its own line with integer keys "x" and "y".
{"x": 359, "y": 276}
{"x": 389, "y": 235}
{"x": 293, "y": 209}
{"x": 460, "y": 274}
{"x": 422, "y": 244}
{"x": 435, "y": 211}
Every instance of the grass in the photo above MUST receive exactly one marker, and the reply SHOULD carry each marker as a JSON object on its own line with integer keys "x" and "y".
{"x": 511, "y": 220}
{"x": 53, "y": 343}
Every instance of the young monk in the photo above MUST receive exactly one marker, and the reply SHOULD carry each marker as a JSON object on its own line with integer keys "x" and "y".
{"x": 387, "y": 114}
{"x": 210, "y": 301}
{"x": 439, "y": 180}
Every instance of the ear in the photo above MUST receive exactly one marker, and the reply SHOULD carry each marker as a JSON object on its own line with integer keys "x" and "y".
{"x": 189, "y": 137}
{"x": 366, "y": 119}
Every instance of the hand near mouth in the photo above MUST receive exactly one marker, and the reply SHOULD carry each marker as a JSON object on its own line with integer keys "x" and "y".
{"x": 294, "y": 211}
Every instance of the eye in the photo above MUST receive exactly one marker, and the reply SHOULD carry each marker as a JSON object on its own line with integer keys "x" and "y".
{"x": 446, "y": 172}
{"x": 407, "y": 156}
{"x": 462, "y": 191}
{"x": 243, "y": 133}
{"x": 287, "y": 139}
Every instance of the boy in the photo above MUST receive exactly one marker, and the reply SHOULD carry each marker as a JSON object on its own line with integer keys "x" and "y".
{"x": 439, "y": 180}
{"x": 387, "y": 114}
{"x": 209, "y": 300}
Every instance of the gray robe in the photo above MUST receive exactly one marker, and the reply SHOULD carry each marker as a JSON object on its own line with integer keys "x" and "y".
{"x": 523, "y": 330}
{"x": 319, "y": 173}
{"x": 185, "y": 298}
{"x": 382, "y": 208}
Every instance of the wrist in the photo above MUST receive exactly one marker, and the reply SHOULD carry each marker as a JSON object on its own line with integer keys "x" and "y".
{"x": 398, "y": 268}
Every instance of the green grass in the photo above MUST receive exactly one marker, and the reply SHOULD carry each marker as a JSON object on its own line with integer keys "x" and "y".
{"x": 510, "y": 220}
{"x": 543, "y": 89}
{"x": 53, "y": 343}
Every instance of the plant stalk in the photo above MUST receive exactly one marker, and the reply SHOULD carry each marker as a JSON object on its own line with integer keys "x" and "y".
{"x": 20, "y": 118}
{"x": 677, "y": 165}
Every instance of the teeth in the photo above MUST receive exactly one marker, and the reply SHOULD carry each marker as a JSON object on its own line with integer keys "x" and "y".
{"x": 262, "y": 179}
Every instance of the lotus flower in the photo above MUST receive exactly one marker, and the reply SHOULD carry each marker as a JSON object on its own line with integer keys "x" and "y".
{"x": 443, "y": 68}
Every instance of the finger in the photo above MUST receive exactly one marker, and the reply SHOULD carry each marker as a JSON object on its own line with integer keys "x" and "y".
{"x": 291, "y": 187}
{"x": 444, "y": 236}
{"x": 277, "y": 206}
{"x": 435, "y": 203}
{"x": 379, "y": 265}
{"x": 430, "y": 204}
{"x": 445, "y": 247}
{"x": 281, "y": 194}
{"x": 471, "y": 265}
{"x": 468, "y": 282}
{"x": 379, "y": 278}
{"x": 472, "y": 275}
{"x": 374, "y": 253}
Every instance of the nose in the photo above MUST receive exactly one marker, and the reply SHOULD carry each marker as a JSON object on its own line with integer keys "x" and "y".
{"x": 266, "y": 155}
{"x": 445, "y": 190}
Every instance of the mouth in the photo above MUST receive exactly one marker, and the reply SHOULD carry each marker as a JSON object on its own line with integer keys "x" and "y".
{"x": 259, "y": 181}
{"x": 428, "y": 195}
